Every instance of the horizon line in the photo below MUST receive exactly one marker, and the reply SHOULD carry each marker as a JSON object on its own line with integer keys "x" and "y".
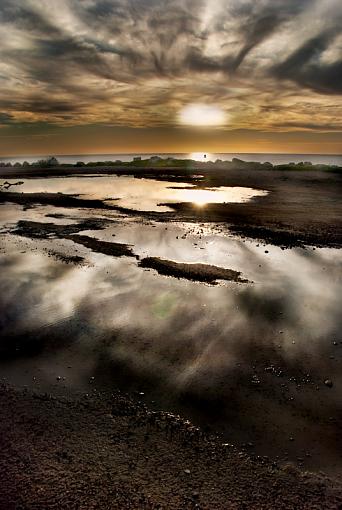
{"x": 165, "y": 153}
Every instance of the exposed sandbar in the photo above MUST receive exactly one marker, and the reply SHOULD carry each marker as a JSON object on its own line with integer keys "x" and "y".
{"x": 105, "y": 247}
{"x": 197, "y": 272}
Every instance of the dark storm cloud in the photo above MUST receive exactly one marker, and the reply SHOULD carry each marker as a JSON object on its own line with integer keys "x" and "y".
{"x": 256, "y": 21}
{"x": 25, "y": 18}
{"x": 137, "y": 62}
{"x": 253, "y": 23}
{"x": 304, "y": 66}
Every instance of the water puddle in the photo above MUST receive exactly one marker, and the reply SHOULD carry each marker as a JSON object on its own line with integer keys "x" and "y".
{"x": 137, "y": 194}
{"x": 248, "y": 359}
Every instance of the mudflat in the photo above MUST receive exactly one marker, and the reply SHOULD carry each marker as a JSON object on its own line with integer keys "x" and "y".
{"x": 303, "y": 207}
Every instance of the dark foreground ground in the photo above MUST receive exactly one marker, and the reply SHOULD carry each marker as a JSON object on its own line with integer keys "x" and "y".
{"x": 111, "y": 452}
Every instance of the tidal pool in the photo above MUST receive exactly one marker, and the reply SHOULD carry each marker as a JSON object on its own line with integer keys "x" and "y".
{"x": 250, "y": 360}
{"x": 138, "y": 194}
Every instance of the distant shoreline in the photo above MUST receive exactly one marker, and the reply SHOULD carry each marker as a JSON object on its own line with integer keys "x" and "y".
{"x": 165, "y": 164}
{"x": 274, "y": 158}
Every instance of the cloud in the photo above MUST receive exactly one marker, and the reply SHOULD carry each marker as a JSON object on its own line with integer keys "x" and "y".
{"x": 138, "y": 62}
{"x": 304, "y": 67}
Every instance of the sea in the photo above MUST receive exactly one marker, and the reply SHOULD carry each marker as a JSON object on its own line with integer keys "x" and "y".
{"x": 274, "y": 158}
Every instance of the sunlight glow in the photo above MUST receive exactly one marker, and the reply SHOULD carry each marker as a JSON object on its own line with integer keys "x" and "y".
{"x": 197, "y": 114}
{"x": 201, "y": 156}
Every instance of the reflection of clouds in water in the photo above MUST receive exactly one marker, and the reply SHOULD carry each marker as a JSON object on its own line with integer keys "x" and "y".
{"x": 206, "y": 343}
{"x": 31, "y": 290}
{"x": 180, "y": 327}
{"x": 291, "y": 282}
{"x": 179, "y": 324}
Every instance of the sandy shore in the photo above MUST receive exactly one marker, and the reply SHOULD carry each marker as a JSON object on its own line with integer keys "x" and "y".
{"x": 110, "y": 451}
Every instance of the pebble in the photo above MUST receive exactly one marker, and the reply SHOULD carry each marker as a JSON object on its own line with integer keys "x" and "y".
{"x": 328, "y": 383}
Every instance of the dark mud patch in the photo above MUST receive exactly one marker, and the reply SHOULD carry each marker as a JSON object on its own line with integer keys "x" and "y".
{"x": 135, "y": 458}
{"x": 196, "y": 272}
{"x": 37, "y": 230}
{"x": 112, "y": 249}
{"x": 55, "y": 199}
{"x": 190, "y": 187}
{"x": 6, "y": 185}
{"x": 68, "y": 259}
{"x": 57, "y": 216}
{"x": 284, "y": 239}
{"x": 29, "y": 200}
{"x": 268, "y": 220}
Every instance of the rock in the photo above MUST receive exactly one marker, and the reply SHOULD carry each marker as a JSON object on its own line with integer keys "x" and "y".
{"x": 187, "y": 471}
{"x": 328, "y": 383}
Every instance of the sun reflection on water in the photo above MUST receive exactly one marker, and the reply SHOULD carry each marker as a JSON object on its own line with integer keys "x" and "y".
{"x": 203, "y": 197}
{"x": 201, "y": 156}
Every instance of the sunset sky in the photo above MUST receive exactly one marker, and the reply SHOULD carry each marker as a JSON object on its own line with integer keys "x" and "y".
{"x": 88, "y": 76}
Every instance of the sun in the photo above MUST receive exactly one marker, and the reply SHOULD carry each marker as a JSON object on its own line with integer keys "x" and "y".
{"x": 198, "y": 114}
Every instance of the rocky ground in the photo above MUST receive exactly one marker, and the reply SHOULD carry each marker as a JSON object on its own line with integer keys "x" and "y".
{"x": 98, "y": 451}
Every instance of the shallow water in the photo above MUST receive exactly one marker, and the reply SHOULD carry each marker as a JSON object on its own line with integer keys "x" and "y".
{"x": 138, "y": 194}
{"x": 249, "y": 360}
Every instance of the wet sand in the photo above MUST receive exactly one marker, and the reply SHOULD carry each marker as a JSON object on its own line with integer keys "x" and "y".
{"x": 111, "y": 451}
{"x": 35, "y": 229}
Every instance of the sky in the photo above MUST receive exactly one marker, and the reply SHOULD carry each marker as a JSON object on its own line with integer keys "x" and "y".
{"x": 106, "y": 76}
